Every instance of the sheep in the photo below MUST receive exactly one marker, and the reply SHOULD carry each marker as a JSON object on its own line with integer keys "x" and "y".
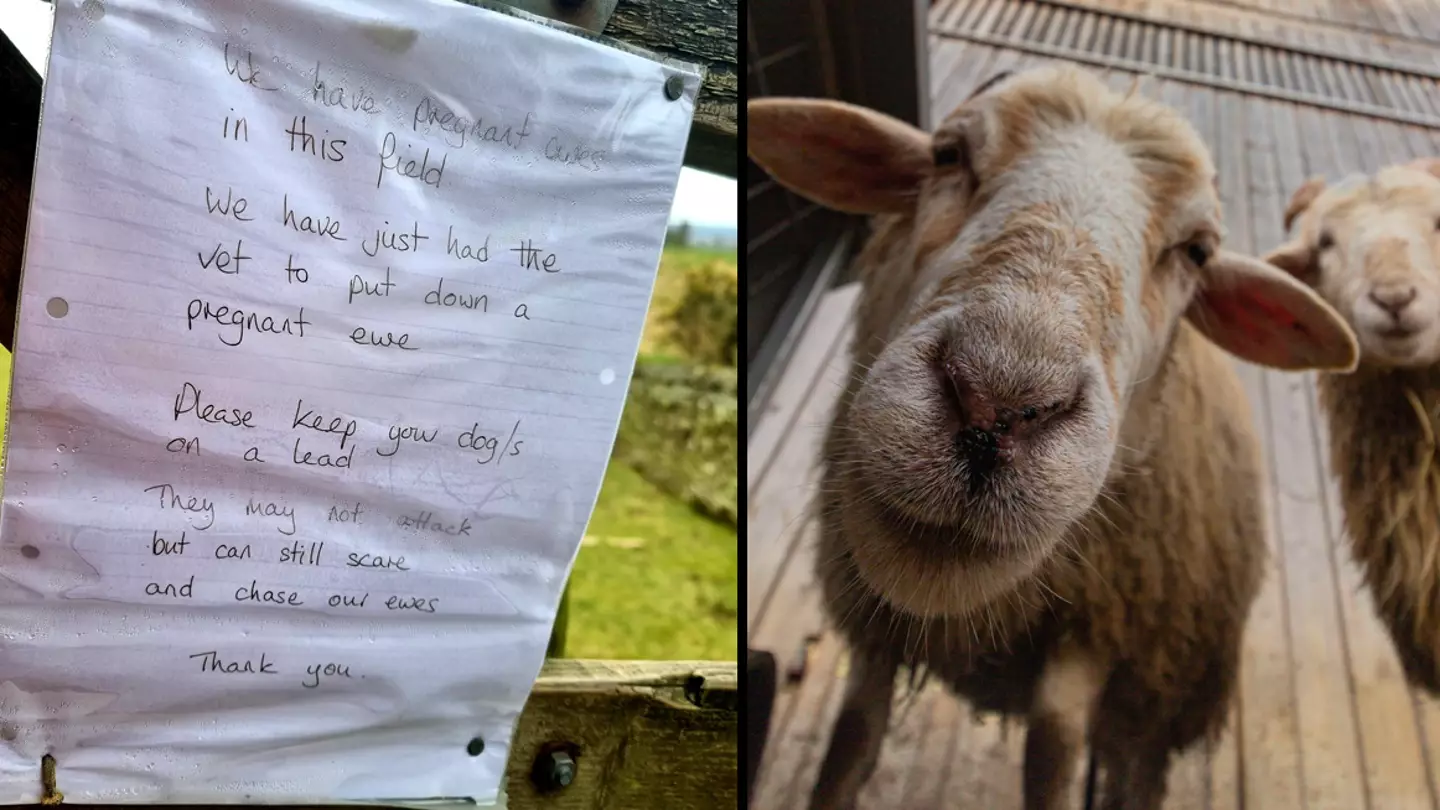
{"x": 1041, "y": 484}
{"x": 1369, "y": 247}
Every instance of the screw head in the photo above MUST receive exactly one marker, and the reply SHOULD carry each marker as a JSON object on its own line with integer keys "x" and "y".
{"x": 674, "y": 88}
{"x": 564, "y": 770}
{"x": 554, "y": 771}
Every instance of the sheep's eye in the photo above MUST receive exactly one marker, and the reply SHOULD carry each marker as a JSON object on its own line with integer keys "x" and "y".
{"x": 1327, "y": 240}
{"x": 1198, "y": 253}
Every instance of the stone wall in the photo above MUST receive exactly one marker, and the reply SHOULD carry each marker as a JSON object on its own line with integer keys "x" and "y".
{"x": 681, "y": 431}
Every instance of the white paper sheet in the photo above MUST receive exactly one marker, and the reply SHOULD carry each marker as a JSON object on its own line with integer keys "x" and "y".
{"x": 287, "y": 515}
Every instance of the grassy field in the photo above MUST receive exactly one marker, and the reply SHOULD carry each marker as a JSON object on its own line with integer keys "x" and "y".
{"x": 654, "y": 579}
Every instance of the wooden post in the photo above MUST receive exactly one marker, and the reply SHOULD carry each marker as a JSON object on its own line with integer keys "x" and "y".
{"x": 706, "y": 32}
{"x": 641, "y": 735}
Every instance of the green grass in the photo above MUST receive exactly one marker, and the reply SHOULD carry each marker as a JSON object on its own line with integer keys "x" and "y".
{"x": 654, "y": 579}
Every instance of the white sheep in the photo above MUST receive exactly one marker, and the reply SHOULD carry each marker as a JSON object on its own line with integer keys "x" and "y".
{"x": 1042, "y": 484}
{"x": 1370, "y": 246}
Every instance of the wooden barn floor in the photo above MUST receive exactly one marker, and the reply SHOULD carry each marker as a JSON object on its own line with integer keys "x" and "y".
{"x": 1324, "y": 718}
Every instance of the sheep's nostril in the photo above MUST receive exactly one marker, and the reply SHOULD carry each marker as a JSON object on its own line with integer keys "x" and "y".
{"x": 972, "y": 406}
{"x": 981, "y": 449}
{"x": 1393, "y": 300}
{"x": 975, "y": 408}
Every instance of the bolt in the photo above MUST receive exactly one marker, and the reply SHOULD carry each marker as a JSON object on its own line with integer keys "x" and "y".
{"x": 674, "y": 88}
{"x": 554, "y": 771}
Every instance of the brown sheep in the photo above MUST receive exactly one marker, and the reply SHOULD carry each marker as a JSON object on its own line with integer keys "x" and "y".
{"x": 1042, "y": 485}
{"x": 1369, "y": 246}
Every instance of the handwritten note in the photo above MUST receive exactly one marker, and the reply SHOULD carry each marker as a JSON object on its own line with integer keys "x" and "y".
{"x": 329, "y": 311}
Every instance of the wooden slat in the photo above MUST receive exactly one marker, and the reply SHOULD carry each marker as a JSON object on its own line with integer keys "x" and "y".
{"x": 1330, "y": 759}
{"x": 909, "y": 727}
{"x": 986, "y": 768}
{"x": 925, "y": 785}
{"x": 774, "y": 513}
{"x": 1318, "y": 13}
{"x": 819, "y": 340}
{"x": 800, "y": 740}
{"x": 973, "y": 66}
{"x": 1186, "y": 15}
{"x": 1267, "y": 730}
{"x": 781, "y": 619}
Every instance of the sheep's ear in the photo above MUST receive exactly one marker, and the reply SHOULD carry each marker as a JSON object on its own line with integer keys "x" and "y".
{"x": 1296, "y": 258}
{"x": 1258, "y": 313}
{"x": 1430, "y": 165}
{"x": 841, "y": 156}
{"x": 1302, "y": 199}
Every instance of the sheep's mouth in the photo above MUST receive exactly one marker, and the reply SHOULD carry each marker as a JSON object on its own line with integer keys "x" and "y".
{"x": 931, "y": 569}
{"x": 951, "y": 540}
{"x": 1398, "y": 334}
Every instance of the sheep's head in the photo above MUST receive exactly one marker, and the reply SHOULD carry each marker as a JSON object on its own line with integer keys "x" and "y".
{"x": 1055, "y": 233}
{"x": 1371, "y": 247}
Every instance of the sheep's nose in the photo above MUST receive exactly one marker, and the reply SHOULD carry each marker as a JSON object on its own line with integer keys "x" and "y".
{"x": 1393, "y": 299}
{"x": 987, "y": 428}
{"x": 973, "y": 407}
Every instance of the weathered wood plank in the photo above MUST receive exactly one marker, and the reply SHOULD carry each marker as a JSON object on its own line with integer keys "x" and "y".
{"x": 706, "y": 32}
{"x": 1330, "y": 757}
{"x": 802, "y": 737}
{"x": 1268, "y": 727}
{"x": 776, "y": 512}
{"x": 642, "y": 735}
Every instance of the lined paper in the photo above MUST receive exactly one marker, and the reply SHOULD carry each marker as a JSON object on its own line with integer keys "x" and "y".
{"x": 327, "y": 320}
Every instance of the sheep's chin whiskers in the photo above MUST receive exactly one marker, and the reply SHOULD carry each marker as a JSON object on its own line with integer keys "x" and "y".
{"x": 934, "y": 572}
